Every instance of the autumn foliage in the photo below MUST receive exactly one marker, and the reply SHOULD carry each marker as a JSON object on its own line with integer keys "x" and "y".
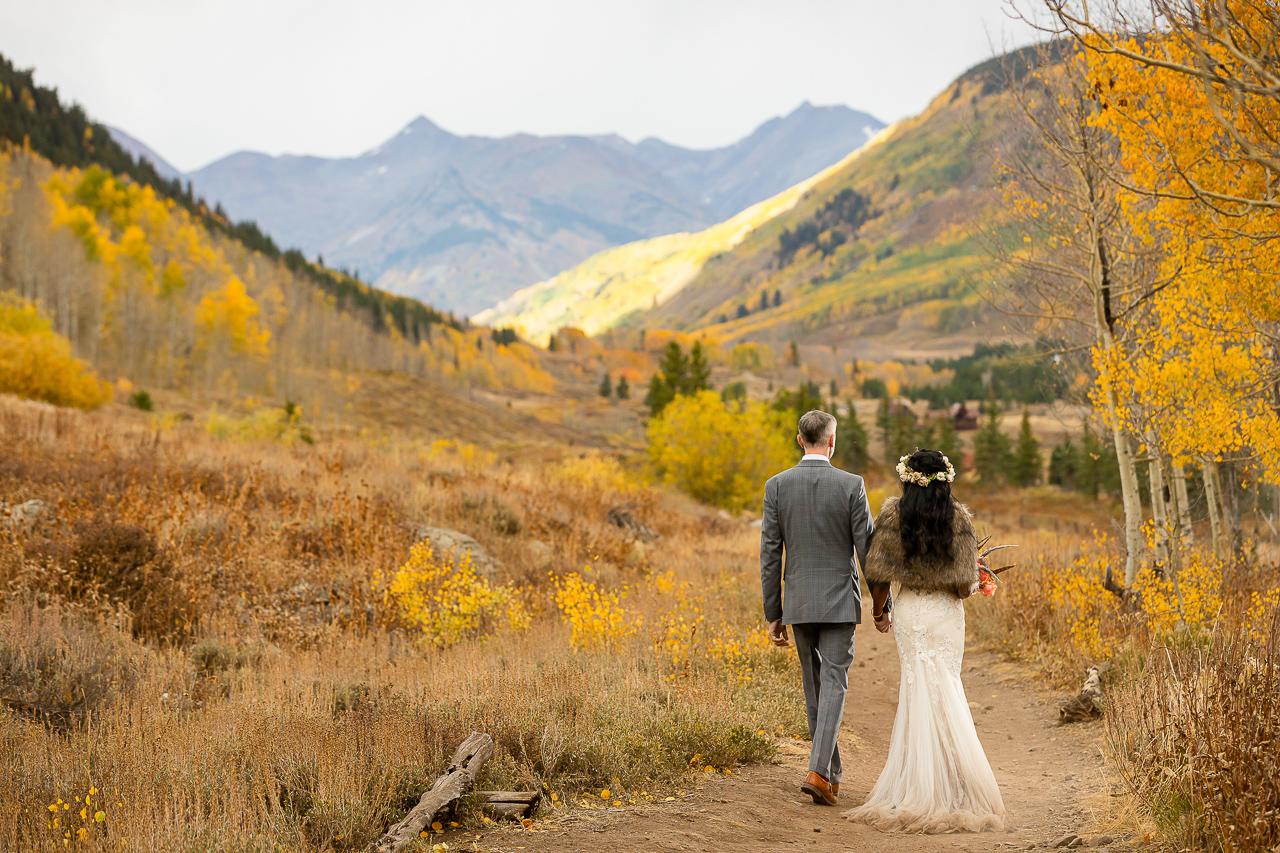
{"x": 718, "y": 453}
{"x": 36, "y": 362}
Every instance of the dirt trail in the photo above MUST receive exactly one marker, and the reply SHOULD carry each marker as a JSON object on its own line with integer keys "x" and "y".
{"x": 1048, "y": 776}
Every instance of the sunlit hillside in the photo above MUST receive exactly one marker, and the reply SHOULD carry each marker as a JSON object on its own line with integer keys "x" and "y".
{"x": 620, "y": 283}
{"x": 883, "y": 244}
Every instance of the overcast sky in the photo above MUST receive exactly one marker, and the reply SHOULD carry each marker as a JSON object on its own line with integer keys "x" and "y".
{"x": 199, "y": 79}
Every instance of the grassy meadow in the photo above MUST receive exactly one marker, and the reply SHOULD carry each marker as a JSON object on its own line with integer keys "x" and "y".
{"x": 225, "y": 639}
{"x": 217, "y": 639}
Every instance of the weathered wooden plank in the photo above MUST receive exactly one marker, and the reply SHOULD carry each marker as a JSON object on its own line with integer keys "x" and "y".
{"x": 530, "y": 797}
{"x": 456, "y": 781}
{"x": 508, "y": 811}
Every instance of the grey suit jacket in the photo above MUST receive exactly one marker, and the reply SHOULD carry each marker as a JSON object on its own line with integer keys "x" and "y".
{"x": 819, "y": 515}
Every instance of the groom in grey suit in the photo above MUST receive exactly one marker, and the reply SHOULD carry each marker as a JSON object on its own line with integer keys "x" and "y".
{"x": 819, "y": 516}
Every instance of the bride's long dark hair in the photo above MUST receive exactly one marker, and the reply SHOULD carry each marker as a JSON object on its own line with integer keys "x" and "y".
{"x": 925, "y": 513}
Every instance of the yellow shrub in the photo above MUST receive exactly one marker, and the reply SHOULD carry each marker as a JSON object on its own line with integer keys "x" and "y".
{"x": 677, "y": 639}
{"x": 1099, "y": 620}
{"x": 265, "y": 425}
{"x": 36, "y": 362}
{"x": 738, "y": 657}
{"x": 445, "y": 451}
{"x": 598, "y": 473}
{"x": 595, "y": 618}
{"x": 716, "y": 453}
{"x": 1262, "y": 610}
{"x": 450, "y": 602}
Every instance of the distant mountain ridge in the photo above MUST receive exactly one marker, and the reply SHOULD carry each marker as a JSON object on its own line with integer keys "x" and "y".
{"x": 876, "y": 257}
{"x": 141, "y": 151}
{"x": 466, "y": 221}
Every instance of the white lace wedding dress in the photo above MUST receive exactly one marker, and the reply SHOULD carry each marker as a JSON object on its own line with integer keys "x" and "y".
{"x": 936, "y": 778}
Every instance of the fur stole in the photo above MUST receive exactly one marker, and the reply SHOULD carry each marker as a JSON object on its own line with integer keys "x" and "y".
{"x": 885, "y": 563}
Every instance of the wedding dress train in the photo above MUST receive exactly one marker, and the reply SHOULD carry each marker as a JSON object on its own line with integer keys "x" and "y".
{"x": 937, "y": 778}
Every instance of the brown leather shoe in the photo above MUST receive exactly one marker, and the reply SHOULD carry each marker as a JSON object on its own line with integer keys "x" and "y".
{"x": 817, "y": 786}
{"x": 835, "y": 789}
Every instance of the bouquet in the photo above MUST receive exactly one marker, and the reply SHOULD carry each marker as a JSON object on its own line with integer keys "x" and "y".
{"x": 989, "y": 578}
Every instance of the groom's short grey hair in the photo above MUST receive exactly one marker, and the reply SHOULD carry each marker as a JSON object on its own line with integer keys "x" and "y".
{"x": 816, "y": 427}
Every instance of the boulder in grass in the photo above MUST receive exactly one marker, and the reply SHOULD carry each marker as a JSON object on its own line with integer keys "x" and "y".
{"x": 454, "y": 545}
{"x": 25, "y": 517}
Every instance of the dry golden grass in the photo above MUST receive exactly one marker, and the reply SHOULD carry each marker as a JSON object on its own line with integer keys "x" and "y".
{"x": 199, "y": 632}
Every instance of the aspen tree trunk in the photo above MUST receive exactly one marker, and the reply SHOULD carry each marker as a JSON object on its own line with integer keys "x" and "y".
{"x": 1183, "y": 505}
{"x": 1159, "y": 514}
{"x": 1228, "y": 492}
{"x": 1130, "y": 496}
{"x": 1208, "y": 473}
{"x": 1168, "y": 553}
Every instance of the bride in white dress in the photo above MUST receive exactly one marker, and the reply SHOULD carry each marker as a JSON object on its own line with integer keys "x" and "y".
{"x": 936, "y": 778}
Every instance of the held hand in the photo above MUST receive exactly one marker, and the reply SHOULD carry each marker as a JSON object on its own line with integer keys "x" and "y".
{"x": 884, "y": 623}
{"x": 778, "y": 634}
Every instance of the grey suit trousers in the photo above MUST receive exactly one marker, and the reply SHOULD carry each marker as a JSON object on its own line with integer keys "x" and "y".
{"x": 826, "y": 651}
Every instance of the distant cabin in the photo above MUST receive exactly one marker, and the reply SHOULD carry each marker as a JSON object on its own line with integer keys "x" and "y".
{"x": 962, "y": 418}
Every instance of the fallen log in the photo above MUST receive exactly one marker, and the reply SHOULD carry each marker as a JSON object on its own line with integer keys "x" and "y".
{"x": 1087, "y": 704}
{"x": 509, "y": 805}
{"x": 456, "y": 781}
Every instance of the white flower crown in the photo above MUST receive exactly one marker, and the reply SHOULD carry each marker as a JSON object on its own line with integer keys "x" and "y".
{"x": 906, "y": 475}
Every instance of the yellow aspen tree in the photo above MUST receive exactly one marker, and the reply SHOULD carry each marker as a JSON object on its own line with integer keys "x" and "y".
{"x": 1077, "y": 269}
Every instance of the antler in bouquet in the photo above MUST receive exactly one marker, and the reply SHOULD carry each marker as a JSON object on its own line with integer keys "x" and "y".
{"x": 989, "y": 579}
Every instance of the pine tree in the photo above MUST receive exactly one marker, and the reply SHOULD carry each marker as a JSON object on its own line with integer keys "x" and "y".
{"x": 1064, "y": 464}
{"x": 659, "y": 395}
{"x": 624, "y": 388}
{"x": 834, "y": 389}
{"x": 991, "y": 451}
{"x": 606, "y": 387}
{"x": 699, "y": 371}
{"x": 1089, "y": 478}
{"x": 948, "y": 443}
{"x": 777, "y": 298}
{"x": 674, "y": 367}
{"x": 923, "y": 435}
{"x": 851, "y": 441}
{"x": 884, "y": 424}
{"x": 671, "y": 379}
{"x": 552, "y": 345}
{"x": 764, "y": 300}
{"x": 794, "y": 354}
{"x": 1027, "y": 462}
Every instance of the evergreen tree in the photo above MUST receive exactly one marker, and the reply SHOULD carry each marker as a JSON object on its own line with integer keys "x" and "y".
{"x": 552, "y": 345}
{"x": 624, "y": 388}
{"x": 926, "y": 435}
{"x": 743, "y": 311}
{"x": 1064, "y": 465}
{"x": 834, "y": 389}
{"x": 873, "y": 388}
{"x": 794, "y": 354}
{"x": 672, "y": 378}
{"x": 735, "y": 392}
{"x": 851, "y": 442}
{"x": 884, "y": 424}
{"x": 948, "y": 443}
{"x": 777, "y": 298}
{"x": 606, "y": 387}
{"x": 699, "y": 371}
{"x": 764, "y": 300}
{"x": 674, "y": 367}
{"x": 1099, "y": 470}
{"x": 991, "y": 451}
{"x": 1027, "y": 462}
{"x": 902, "y": 436}
{"x": 659, "y": 395}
